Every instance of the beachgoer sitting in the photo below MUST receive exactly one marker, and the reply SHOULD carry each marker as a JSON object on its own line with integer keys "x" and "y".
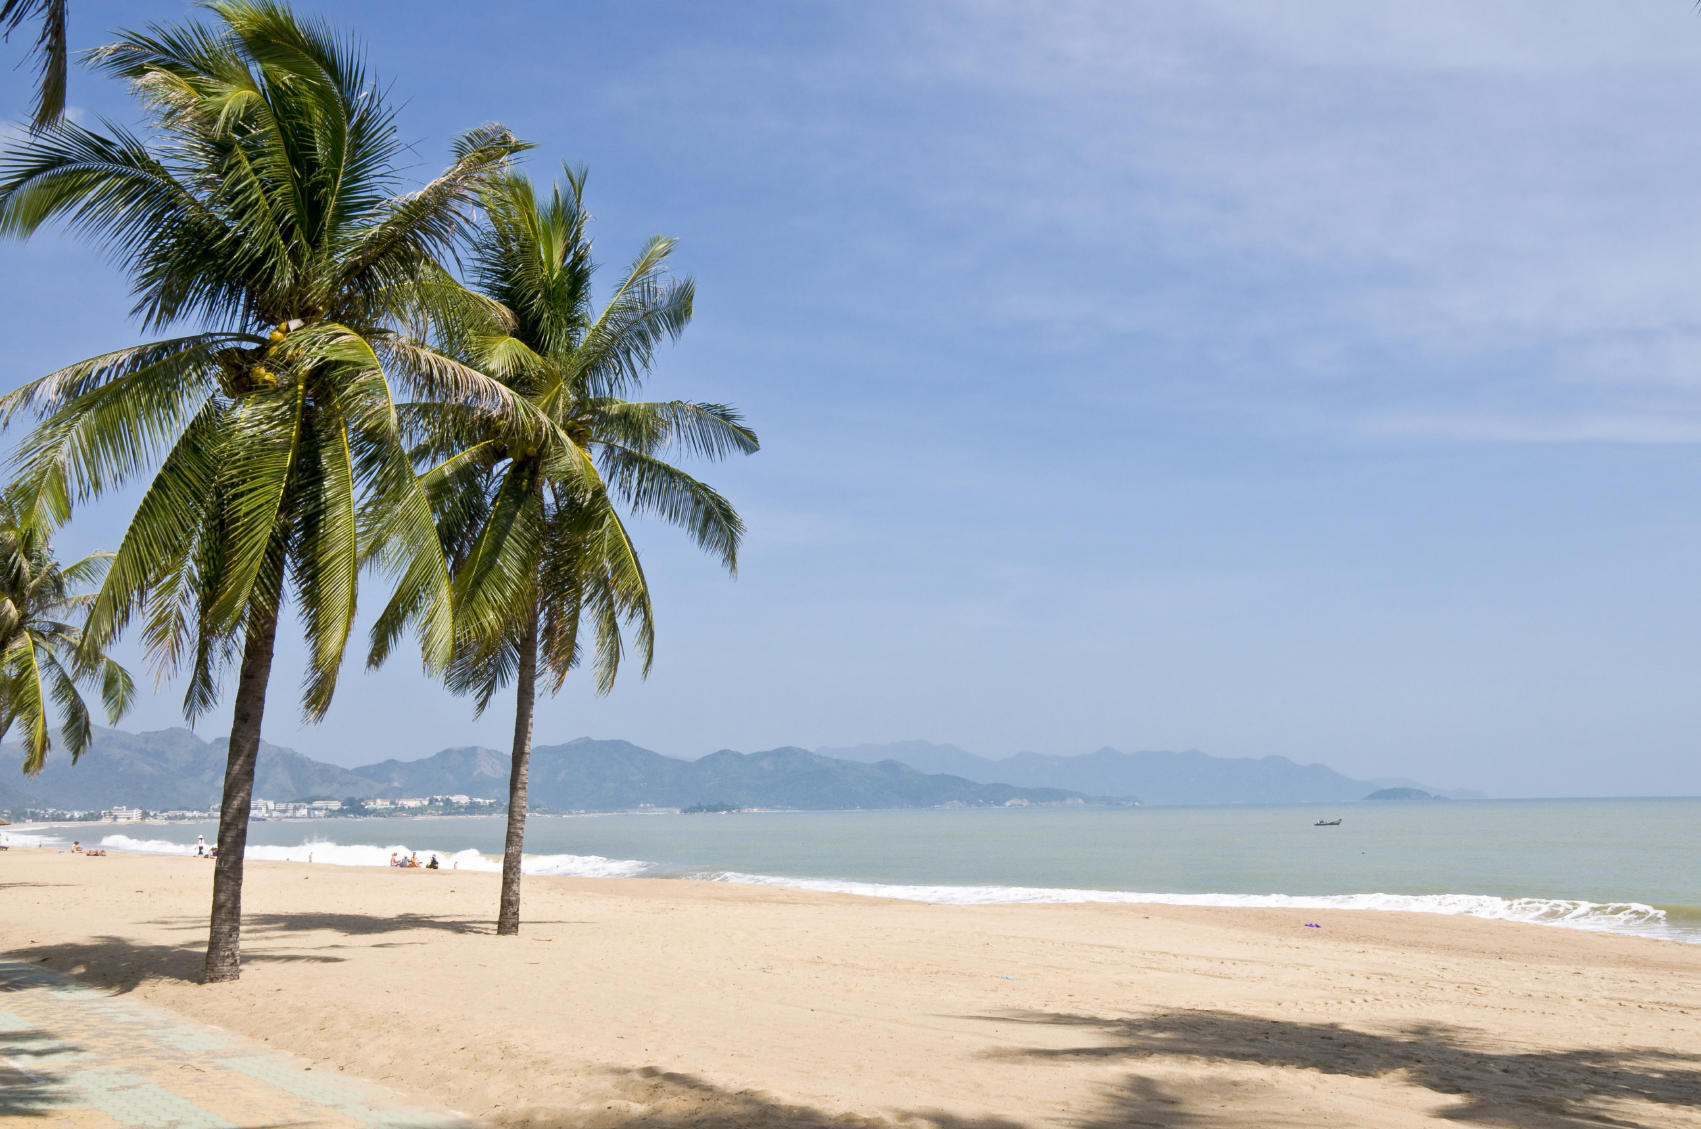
{"x": 413, "y": 859}
{"x": 76, "y": 847}
{"x": 393, "y": 861}
{"x": 432, "y": 865}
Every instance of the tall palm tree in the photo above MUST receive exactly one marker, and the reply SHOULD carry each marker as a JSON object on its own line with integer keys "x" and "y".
{"x": 264, "y": 215}
{"x": 42, "y": 655}
{"x": 50, "y": 46}
{"x": 533, "y": 528}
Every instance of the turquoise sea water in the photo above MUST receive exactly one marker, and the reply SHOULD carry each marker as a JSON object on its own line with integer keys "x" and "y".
{"x": 1622, "y": 865}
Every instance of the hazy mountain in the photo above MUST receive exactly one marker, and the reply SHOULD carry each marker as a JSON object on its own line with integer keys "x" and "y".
{"x": 1155, "y": 777}
{"x": 469, "y": 770}
{"x": 167, "y": 768}
{"x": 924, "y": 756}
{"x": 1403, "y": 795}
{"x": 798, "y": 778}
{"x": 173, "y": 768}
{"x": 592, "y": 775}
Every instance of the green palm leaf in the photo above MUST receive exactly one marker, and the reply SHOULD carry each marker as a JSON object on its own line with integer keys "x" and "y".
{"x": 262, "y": 211}
{"x": 49, "y": 47}
{"x": 43, "y": 658}
{"x": 530, "y": 516}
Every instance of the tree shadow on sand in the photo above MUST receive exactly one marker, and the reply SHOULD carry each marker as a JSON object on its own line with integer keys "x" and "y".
{"x": 23, "y": 1092}
{"x": 354, "y": 924}
{"x": 358, "y": 924}
{"x": 121, "y": 964}
{"x": 1634, "y": 1088}
{"x": 656, "y": 1099}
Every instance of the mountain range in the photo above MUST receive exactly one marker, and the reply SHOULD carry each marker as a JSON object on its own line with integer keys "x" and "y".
{"x": 175, "y": 769}
{"x": 1158, "y": 778}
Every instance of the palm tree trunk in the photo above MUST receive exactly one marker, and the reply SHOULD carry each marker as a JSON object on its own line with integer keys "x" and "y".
{"x": 525, "y": 697}
{"x": 224, "y": 949}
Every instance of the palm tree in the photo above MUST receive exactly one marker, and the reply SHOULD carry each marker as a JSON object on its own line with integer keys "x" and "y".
{"x": 532, "y": 528}
{"x": 50, "y": 45}
{"x": 41, "y": 653}
{"x": 265, "y": 214}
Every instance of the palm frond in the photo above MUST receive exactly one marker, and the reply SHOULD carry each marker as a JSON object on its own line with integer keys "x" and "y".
{"x": 267, "y": 434}
{"x": 649, "y": 485}
{"x": 327, "y": 558}
{"x": 20, "y": 678}
{"x": 111, "y": 416}
{"x": 707, "y": 431}
{"x": 49, "y": 49}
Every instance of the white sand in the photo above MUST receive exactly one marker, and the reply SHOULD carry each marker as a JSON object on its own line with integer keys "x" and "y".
{"x": 662, "y": 1004}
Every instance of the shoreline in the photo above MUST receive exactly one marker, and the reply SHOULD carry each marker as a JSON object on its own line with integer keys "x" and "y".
{"x": 1619, "y": 918}
{"x": 662, "y": 1002}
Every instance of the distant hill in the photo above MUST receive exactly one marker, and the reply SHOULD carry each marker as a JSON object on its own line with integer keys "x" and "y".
{"x": 924, "y": 756}
{"x": 592, "y": 775}
{"x": 1402, "y": 795}
{"x": 471, "y": 770}
{"x": 166, "y": 768}
{"x": 1154, "y": 777}
{"x": 173, "y": 768}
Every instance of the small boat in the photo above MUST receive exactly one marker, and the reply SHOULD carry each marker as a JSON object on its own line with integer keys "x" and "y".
{"x": 1327, "y": 823}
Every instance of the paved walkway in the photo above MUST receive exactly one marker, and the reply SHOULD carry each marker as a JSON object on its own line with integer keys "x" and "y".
{"x": 80, "y": 1057}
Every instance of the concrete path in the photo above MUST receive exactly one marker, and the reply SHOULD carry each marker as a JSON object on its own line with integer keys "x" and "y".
{"x": 76, "y": 1056}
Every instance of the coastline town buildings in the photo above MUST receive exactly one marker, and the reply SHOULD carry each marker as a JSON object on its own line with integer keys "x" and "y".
{"x": 267, "y": 809}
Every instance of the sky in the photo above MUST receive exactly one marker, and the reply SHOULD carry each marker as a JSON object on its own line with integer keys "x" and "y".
{"x": 1319, "y": 380}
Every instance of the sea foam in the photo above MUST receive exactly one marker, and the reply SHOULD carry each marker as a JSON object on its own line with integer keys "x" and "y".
{"x": 1621, "y": 917}
{"x": 34, "y": 839}
{"x": 360, "y": 854}
{"x": 1617, "y": 917}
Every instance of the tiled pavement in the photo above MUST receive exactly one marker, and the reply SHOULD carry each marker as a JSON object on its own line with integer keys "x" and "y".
{"x": 80, "y": 1057}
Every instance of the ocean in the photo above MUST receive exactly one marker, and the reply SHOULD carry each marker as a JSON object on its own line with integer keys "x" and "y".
{"x": 1628, "y": 865}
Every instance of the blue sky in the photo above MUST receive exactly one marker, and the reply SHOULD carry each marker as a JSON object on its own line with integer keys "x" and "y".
{"x": 1315, "y": 379}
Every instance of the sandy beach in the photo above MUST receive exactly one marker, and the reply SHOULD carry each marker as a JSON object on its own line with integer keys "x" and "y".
{"x": 662, "y": 1003}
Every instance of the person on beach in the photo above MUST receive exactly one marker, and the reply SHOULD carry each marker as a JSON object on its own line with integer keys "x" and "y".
{"x": 200, "y": 846}
{"x": 413, "y": 860}
{"x": 432, "y": 865}
{"x": 76, "y": 847}
{"x": 393, "y": 861}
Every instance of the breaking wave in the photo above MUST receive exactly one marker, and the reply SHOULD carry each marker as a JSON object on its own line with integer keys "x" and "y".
{"x": 34, "y": 839}
{"x": 359, "y": 854}
{"x": 1614, "y": 917}
{"x": 1617, "y": 917}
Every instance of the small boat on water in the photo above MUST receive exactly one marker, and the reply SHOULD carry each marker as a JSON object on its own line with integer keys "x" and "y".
{"x": 1327, "y": 823}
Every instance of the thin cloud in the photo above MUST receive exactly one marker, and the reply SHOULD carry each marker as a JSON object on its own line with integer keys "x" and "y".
{"x": 1631, "y": 430}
